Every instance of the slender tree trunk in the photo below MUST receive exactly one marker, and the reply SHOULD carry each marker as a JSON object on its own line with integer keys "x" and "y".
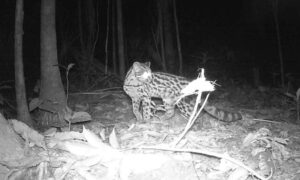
{"x": 121, "y": 52}
{"x": 161, "y": 35}
{"x": 92, "y": 30}
{"x": 107, "y": 35}
{"x": 275, "y": 14}
{"x": 114, "y": 39}
{"x": 22, "y": 107}
{"x": 170, "y": 50}
{"x": 52, "y": 91}
{"x": 177, "y": 37}
{"x": 80, "y": 25}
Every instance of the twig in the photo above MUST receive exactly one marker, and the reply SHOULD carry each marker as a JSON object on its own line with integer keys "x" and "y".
{"x": 290, "y": 95}
{"x": 210, "y": 153}
{"x": 266, "y": 120}
{"x": 195, "y": 87}
{"x": 101, "y": 91}
{"x": 192, "y": 119}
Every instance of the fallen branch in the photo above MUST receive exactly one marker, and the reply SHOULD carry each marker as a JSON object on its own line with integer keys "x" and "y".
{"x": 210, "y": 153}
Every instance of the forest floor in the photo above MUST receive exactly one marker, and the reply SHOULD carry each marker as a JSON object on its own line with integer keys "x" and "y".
{"x": 264, "y": 145}
{"x": 266, "y": 141}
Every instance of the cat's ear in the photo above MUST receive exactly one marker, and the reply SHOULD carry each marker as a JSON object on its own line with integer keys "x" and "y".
{"x": 136, "y": 65}
{"x": 148, "y": 63}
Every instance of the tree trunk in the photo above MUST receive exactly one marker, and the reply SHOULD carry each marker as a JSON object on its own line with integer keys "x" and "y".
{"x": 161, "y": 35}
{"x": 88, "y": 34}
{"x": 177, "y": 38}
{"x": 114, "y": 39}
{"x": 92, "y": 33}
{"x": 275, "y": 15}
{"x": 170, "y": 49}
{"x": 107, "y": 35}
{"x": 22, "y": 107}
{"x": 120, "y": 36}
{"x": 52, "y": 91}
{"x": 80, "y": 25}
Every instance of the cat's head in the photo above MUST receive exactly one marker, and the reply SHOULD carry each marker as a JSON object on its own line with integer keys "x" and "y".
{"x": 142, "y": 71}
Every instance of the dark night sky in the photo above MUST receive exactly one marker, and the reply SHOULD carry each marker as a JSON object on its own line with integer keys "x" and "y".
{"x": 242, "y": 26}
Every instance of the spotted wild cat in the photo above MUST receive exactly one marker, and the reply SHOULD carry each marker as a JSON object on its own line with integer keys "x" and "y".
{"x": 141, "y": 84}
